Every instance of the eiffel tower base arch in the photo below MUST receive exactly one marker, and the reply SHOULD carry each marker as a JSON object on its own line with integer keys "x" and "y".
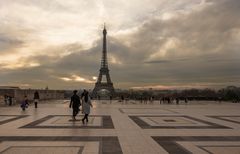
{"x": 103, "y": 86}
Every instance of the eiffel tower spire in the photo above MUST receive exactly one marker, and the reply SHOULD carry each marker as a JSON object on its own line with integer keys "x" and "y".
{"x": 104, "y": 71}
{"x": 104, "y": 63}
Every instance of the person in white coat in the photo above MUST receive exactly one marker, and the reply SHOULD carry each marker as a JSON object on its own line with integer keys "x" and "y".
{"x": 86, "y": 104}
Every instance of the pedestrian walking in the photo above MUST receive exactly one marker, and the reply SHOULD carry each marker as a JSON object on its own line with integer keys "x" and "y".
{"x": 86, "y": 104}
{"x": 36, "y": 98}
{"x": 6, "y": 99}
{"x": 75, "y": 104}
{"x": 10, "y": 100}
{"x": 110, "y": 98}
{"x": 122, "y": 99}
{"x": 24, "y": 103}
{"x": 177, "y": 101}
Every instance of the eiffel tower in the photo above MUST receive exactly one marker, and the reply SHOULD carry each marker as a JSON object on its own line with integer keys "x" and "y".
{"x": 104, "y": 71}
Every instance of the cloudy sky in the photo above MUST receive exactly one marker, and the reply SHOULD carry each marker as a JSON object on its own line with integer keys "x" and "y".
{"x": 151, "y": 43}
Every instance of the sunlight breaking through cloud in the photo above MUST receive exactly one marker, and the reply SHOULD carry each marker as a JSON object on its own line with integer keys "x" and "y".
{"x": 76, "y": 78}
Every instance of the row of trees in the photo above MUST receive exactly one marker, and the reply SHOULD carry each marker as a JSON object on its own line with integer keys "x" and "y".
{"x": 230, "y": 93}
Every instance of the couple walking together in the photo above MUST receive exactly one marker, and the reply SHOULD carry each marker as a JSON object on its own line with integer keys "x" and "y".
{"x": 75, "y": 104}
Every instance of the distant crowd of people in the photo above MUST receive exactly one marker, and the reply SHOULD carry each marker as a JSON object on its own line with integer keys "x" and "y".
{"x": 162, "y": 100}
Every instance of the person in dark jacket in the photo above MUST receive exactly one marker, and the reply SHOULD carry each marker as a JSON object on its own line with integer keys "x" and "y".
{"x": 75, "y": 104}
{"x": 83, "y": 93}
{"x": 10, "y": 99}
{"x": 36, "y": 98}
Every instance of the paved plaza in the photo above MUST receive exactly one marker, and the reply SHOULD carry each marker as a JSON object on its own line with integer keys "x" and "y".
{"x": 115, "y": 128}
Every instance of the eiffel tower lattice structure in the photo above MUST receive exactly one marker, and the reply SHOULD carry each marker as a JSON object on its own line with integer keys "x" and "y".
{"x": 104, "y": 71}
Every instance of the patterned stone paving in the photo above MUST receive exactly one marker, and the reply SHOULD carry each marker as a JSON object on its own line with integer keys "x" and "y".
{"x": 43, "y": 149}
{"x": 174, "y": 121}
{"x": 76, "y": 145}
{"x": 64, "y": 121}
{"x": 172, "y": 144}
{"x": 8, "y": 118}
{"x": 115, "y": 128}
{"x": 231, "y": 118}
